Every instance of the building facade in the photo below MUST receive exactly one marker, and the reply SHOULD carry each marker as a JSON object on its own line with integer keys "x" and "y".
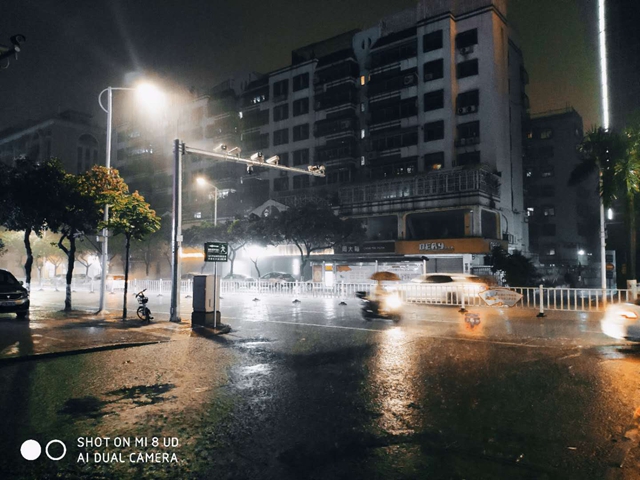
{"x": 70, "y": 136}
{"x": 563, "y": 220}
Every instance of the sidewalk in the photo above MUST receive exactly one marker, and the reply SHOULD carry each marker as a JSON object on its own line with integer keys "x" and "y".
{"x": 50, "y": 332}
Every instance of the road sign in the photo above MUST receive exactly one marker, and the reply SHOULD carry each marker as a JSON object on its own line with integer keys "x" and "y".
{"x": 216, "y": 252}
{"x": 500, "y": 297}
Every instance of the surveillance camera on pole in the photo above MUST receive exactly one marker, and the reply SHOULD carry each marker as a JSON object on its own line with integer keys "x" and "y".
{"x": 220, "y": 148}
{"x": 275, "y": 160}
{"x": 257, "y": 157}
{"x": 234, "y": 151}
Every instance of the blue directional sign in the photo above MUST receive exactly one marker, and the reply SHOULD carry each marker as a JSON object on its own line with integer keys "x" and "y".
{"x": 216, "y": 252}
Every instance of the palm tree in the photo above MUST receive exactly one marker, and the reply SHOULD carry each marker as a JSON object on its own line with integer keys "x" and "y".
{"x": 606, "y": 152}
{"x": 628, "y": 174}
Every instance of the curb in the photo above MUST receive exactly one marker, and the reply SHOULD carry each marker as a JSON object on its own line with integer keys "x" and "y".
{"x": 66, "y": 353}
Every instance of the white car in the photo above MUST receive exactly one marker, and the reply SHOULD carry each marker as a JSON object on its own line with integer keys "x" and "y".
{"x": 446, "y": 287}
{"x": 621, "y": 321}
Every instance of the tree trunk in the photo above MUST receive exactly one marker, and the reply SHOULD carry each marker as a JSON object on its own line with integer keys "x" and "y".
{"x": 632, "y": 238}
{"x": 127, "y": 245}
{"x": 71, "y": 260}
{"x": 255, "y": 264}
{"x": 232, "y": 258}
{"x": 29, "y": 263}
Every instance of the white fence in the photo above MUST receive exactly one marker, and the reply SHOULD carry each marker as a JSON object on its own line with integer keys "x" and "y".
{"x": 566, "y": 299}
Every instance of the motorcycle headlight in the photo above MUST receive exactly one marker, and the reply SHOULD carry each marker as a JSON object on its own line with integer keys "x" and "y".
{"x": 393, "y": 301}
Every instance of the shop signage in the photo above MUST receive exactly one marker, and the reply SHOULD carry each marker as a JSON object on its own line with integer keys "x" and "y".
{"x": 372, "y": 247}
{"x": 449, "y": 245}
{"x": 500, "y": 297}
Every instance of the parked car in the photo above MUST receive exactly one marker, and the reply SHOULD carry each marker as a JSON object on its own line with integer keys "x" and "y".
{"x": 14, "y": 298}
{"x": 622, "y": 321}
{"x": 447, "y": 287}
{"x": 279, "y": 278}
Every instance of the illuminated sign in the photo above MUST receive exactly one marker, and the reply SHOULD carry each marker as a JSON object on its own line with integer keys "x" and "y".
{"x": 216, "y": 252}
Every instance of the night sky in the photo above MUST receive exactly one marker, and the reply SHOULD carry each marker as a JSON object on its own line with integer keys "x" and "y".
{"x": 75, "y": 48}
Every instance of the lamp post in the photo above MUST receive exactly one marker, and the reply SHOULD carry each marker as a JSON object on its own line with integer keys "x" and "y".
{"x": 146, "y": 92}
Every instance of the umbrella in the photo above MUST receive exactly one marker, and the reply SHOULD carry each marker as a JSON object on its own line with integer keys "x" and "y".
{"x": 382, "y": 276}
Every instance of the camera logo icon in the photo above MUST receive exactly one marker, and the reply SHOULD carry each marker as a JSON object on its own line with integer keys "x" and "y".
{"x": 31, "y": 450}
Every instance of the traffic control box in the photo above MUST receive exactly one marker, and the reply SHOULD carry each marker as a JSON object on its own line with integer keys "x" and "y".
{"x": 206, "y": 300}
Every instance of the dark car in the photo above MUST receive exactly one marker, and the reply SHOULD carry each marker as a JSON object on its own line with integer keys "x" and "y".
{"x": 14, "y": 298}
{"x": 279, "y": 278}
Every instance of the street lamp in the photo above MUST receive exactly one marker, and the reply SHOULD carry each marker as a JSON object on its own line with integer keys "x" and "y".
{"x": 148, "y": 94}
{"x": 202, "y": 182}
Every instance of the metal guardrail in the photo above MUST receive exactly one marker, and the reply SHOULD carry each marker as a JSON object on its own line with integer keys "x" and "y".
{"x": 541, "y": 298}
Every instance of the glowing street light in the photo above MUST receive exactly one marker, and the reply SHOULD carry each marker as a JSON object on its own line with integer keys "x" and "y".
{"x": 202, "y": 182}
{"x": 149, "y": 95}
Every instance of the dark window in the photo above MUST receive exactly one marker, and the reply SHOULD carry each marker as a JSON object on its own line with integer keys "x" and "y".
{"x": 281, "y": 137}
{"x": 434, "y": 161}
{"x": 548, "y": 229}
{"x": 436, "y": 225}
{"x": 432, "y": 41}
{"x": 469, "y": 130}
{"x": 382, "y": 228}
{"x": 468, "y": 99}
{"x": 434, "y": 131}
{"x": 467, "y": 39}
{"x": 301, "y": 157}
{"x": 468, "y": 68}
{"x": 489, "y": 224}
{"x": 300, "y": 81}
{"x": 433, "y": 70}
{"x": 547, "y": 191}
{"x": 433, "y": 100}
{"x": 301, "y": 106}
{"x": 468, "y": 158}
{"x": 281, "y": 88}
{"x": 546, "y": 171}
{"x": 281, "y": 112}
{"x": 284, "y": 159}
{"x": 280, "y": 184}
{"x": 300, "y": 181}
{"x": 301, "y": 132}
{"x": 548, "y": 210}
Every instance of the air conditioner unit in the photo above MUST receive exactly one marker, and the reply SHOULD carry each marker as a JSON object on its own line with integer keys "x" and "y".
{"x": 409, "y": 80}
{"x": 466, "y": 50}
{"x": 462, "y": 110}
{"x": 472, "y": 108}
{"x": 428, "y": 76}
{"x": 462, "y": 141}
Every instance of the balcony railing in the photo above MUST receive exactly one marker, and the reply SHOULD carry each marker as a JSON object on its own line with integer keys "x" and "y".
{"x": 429, "y": 185}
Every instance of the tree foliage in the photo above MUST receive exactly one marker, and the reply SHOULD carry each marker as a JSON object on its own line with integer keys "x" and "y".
{"x": 517, "y": 270}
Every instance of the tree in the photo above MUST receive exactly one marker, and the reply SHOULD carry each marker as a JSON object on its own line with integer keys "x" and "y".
{"x": 154, "y": 247}
{"x": 26, "y": 205}
{"x": 260, "y": 234}
{"x": 615, "y": 159}
{"x": 133, "y": 218}
{"x": 312, "y": 227}
{"x": 517, "y": 269}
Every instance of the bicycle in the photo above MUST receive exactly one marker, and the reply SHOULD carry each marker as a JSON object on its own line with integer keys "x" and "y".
{"x": 143, "y": 311}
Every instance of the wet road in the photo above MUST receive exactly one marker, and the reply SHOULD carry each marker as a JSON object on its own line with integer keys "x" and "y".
{"x": 309, "y": 390}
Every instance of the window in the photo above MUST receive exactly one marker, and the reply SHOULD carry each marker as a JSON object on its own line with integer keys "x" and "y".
{"x": 432, "y": 41}
{"x": 546, "y": 171}
{"x": 301, "y": 157}
{"x": 436, "y": 225}
{"x": 434, "y": 100}
{"x": 301, "y": 132}
{"x": 281, "y": 112}
{"x": 548, "y": 211}
{"x": 363, "y": 80}
{"x": 546, "y": 133}
{"x": 197, "y": 215}
{"x": 434, "y": 131}
{"x": 433, "y": 70}
{"x": 469, "y": 130}
{"x": 468, "y": 68}
{"x": 281, "y": 88}
{"x": 280, "y": 184}
{"x": 528, "y": 172}
{"x": 547, "y": 191}
{"x": 300, "y": 81}
{"x": 468, "y": 158}
{"x": 548, "y": 229}
{"x": 434, "y": 161}
{"x": 362, "y": 160}
{"x": 284, "y": 159}
{"x": 281, "y": 137}
{"x": 300, "y": 181}
{"x": 301, "y": 106}
{"x": 530, "y": 211}
{"x": 467, "y": 38}
{"x": 467, "y": 101}
{"x": 363, "y": 133}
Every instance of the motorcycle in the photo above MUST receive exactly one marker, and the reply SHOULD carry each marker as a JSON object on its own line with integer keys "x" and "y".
{"x": 388, "y": 306}
{"x": 143, "y": 311}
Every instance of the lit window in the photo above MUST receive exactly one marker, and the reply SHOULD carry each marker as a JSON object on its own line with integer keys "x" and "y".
{"x": 240, "y": 114}
{"x": 362, "y": 133}
{"x": 362, "y": 161}
{"x": 363, "y": 80}
{"x": 551, "y": 251}
{"x": 530, "y": 211}
{"x": 197, "y": 215}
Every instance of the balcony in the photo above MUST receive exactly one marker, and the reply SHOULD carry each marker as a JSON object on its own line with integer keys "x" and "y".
{"x": 335, "y": 97}
{"x": 427, "y": 186}
{"x": 346, "y": 126}
{"x": 466, "y": 141}
{"x": 388, "y": 85}
{"x": 334, "y": 153}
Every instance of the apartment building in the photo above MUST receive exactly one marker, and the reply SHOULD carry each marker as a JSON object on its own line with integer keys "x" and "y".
{"x": 71, "y": 136}
{"x": 563, "y": 220}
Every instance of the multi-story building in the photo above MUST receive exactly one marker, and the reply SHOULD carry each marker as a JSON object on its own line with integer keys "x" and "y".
{"x": 70, "y": 136}
{"x": 623, "y": 58}
{"x": 563, "y": 220}
{"x": 417, "y": 120}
